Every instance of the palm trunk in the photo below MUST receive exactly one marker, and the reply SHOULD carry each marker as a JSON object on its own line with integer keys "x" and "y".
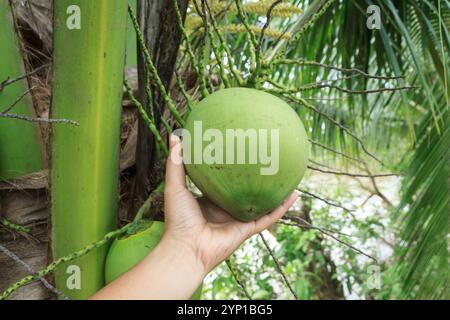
{"x": 88, "y": 75}
{"x": 18, "y": 156}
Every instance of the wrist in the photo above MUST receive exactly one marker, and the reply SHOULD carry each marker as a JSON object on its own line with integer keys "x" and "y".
{"x": 170, "y": 271}
{"x": 183, "y": 254}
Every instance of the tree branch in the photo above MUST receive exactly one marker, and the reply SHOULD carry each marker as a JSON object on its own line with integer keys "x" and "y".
{"x": 278, "y": 266}
{"x": 9, "y": 81}
{"x": 238, "y": 280}
{"x": 31, "y": 119}
{"x": 361, "y": 175}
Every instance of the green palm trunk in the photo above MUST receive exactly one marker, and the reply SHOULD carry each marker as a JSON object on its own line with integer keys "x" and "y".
{"x": 20, "y": 148}
{"x": 88, "y": 76}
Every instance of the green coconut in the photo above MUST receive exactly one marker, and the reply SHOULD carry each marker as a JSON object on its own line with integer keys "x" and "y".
{"x": 129, "y": 250}
{"x": 245, "y": 187}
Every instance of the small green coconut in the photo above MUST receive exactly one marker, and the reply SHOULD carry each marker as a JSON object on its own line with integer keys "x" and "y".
{"x": 246, "y": 150}
{"x": 129, "y": 250}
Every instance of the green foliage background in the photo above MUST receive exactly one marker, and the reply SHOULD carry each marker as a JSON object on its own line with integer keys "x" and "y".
{"x": 408, "y": 130}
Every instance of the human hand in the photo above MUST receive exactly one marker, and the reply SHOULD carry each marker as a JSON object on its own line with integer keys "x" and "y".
{"x": 198, "y": 236}
{"x": 207, "y": 232}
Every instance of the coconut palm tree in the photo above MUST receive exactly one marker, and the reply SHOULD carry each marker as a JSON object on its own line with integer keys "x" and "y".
{"x": 374, "y": 97}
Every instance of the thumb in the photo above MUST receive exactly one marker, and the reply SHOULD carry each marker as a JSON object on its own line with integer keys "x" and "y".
{"x": 269, "y": 219}
{"x": 175, "y": 175}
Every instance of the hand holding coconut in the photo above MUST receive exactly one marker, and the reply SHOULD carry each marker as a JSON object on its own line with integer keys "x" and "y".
{"x": 201, "y": 226}
{"x": 198, "y": 236}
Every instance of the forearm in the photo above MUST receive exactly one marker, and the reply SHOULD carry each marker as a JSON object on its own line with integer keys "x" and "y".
{"x": 170, "y": 271}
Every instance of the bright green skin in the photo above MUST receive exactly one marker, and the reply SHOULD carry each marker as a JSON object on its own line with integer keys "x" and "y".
{"x": 20, "y": 147}
{"x": 240, "y": 189}
{"x": 87, "y": 87}
{"x": 126, "y": 252}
